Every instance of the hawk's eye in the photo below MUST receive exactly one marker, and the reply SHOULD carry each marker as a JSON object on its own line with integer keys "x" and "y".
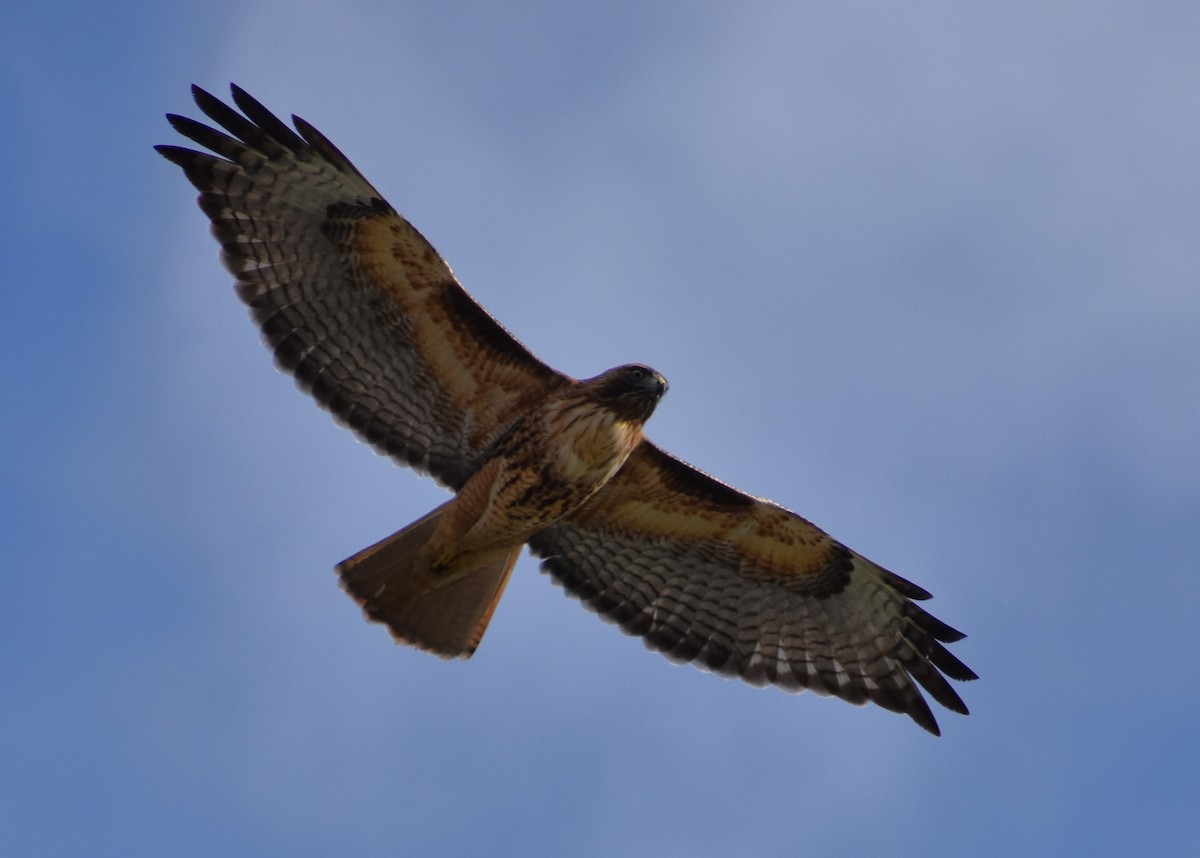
{"x": 637, "y": 373}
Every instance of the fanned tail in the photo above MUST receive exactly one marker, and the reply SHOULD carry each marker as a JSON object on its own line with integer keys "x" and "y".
{"x": 421, "y": 607}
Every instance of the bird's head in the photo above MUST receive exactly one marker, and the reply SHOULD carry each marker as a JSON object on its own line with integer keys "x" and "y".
{"x": 630, "y": 391}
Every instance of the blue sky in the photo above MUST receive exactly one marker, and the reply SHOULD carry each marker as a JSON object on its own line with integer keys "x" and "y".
{"x": 926, "y": 274}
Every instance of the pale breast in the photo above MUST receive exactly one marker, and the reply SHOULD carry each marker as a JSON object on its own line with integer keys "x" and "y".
{"x": 548, "y": 466}
{"x": 590, "y": 443}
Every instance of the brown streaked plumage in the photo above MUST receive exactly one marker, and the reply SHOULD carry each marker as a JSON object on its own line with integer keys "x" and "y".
{"x": 366, "y": 315}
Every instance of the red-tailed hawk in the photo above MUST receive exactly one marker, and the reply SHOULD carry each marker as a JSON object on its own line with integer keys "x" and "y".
{"x": 371, "y": 321}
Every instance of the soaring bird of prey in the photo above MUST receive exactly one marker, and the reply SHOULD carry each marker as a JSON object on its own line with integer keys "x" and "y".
{"x": 370, "y": 320}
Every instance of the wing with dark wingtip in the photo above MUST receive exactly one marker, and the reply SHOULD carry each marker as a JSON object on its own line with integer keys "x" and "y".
{"x": 742, "y": 587}
{"x": 352, "y": 299}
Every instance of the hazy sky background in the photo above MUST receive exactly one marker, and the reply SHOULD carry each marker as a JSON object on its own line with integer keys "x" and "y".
{"x": 926, "y": 273}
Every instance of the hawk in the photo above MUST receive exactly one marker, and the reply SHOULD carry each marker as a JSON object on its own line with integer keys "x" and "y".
{"x": 370, "y": 320}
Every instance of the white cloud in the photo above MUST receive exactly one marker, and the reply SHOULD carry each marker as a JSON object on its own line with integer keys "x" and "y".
{"x": 926, "y": 276}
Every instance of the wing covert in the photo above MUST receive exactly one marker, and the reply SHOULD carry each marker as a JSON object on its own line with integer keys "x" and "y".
{"x": 352, "y": 299}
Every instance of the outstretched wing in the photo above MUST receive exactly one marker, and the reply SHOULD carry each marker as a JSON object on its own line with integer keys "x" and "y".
{"x": 351, "y": 298}
{"x": 740, "y": 586}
